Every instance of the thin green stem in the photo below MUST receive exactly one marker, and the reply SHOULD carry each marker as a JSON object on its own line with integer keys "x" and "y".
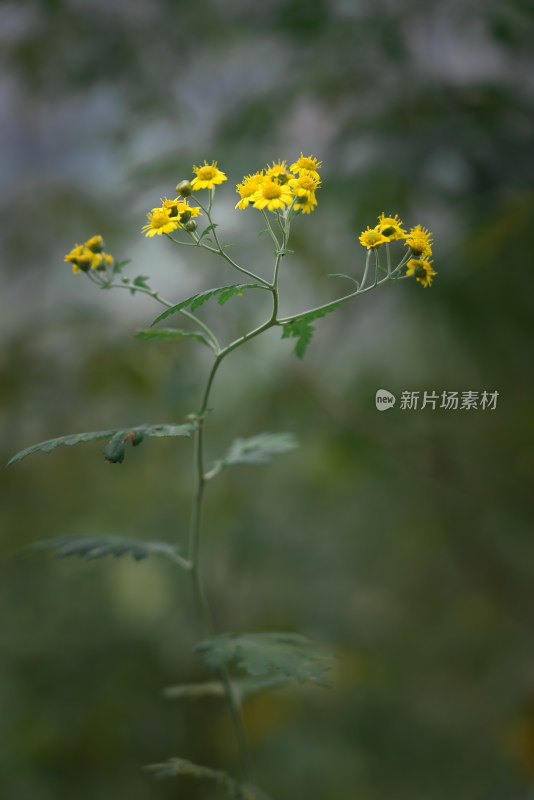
{"x": 156, "y": 296}
{"x": 273, "y": 236}
{"x": 219, "y": 250}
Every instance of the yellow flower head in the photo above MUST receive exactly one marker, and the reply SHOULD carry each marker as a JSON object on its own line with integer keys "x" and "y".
{"x": 179, "y": 210}
{"x": 391, "y": 227}
{"x": 420, "y": 241}
{"x": 248, "y": 188}
{"x": 159, "y": 221}
{"x": 272, "y": 195}
{"x": 207, "y": 176}
{"x": 373, "y": 237}
{"x": 306, "y": 204}
{"x": 305, "y": 185}
{"x": 95, "y": 244}
{"x": 306, "y": 165}
{"x": 83, "y": 259}
{"x": 278, "y": 173}
{"x": 420, "y": 267}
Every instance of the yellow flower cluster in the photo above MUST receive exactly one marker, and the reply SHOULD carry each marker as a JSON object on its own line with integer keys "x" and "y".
{"x": 419, "y": 240}
{"x": 276, "y": 186}
{"x": 90, "y": 255}
{"x": 172, "y": 214}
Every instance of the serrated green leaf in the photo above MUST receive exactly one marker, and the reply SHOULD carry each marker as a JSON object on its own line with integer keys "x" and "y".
{"x": 176, "y": 767}
{"x": 118, "y": 265}
{"x": 300, "y": 327}
{"x": 242, "y": 688}
{"x": 302, "y": 331}
{"x": 134, "y": 435}
{"x": 261, "y": 653}
{"x": 258, "y": 449}
{"x": 207, "y": 230}
{"x": 90, "y": 547}
{"x": 171, "y": 333}
{"x": 197, "y": 300}
{"x": 140, "y": 282}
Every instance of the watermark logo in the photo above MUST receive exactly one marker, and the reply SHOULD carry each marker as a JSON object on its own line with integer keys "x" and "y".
{"x": 447, "y": 400}
{"x": 384, "y": 400}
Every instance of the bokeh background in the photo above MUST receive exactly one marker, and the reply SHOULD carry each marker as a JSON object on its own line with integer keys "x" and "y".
{"x": 401, "y": 539}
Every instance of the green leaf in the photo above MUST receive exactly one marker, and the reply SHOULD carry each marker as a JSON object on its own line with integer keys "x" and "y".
{"x": 176, "y": 767}
{"x": 256, "y": 450}
{"x": 135, "y": 435}
{"x": 90, "y": 547}
{"x": 141, "y": 282}
{"x": 300, "y": 327}
{"x": 207, "y": 230}
{"x": 118, "y": 265}
{"x": 171, "y": 333}
{"x": 261, "y": 653}
{"x": 302, "y": 331}
{"x": 197, "y": 300}
{"x": 242, "y": 687}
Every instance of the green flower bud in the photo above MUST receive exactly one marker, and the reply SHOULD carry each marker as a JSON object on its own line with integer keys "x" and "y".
{"x": 190, "y": 226}
{"x": 183, "y": 188}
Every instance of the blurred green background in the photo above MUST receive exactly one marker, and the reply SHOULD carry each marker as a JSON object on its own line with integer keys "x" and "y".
{"x": 402, "y": 539}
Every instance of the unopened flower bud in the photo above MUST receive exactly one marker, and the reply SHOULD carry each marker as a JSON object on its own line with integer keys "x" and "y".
{"x": 190, "y": 226}
{"x": 183, "y": 188}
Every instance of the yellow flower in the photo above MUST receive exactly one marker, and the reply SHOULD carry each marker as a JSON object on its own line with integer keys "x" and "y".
{"x": 272, "y": 195}
{"x": 420, "y": 267}
{"x": 306, "y": 165}
{"x": 278, "y": 172}
{"x": 420, "y": 241}
{"x": 248, "y": 188}
{"x": 391, "y": 227}
{"x": 180, "y": 210}
{"x": 95, "y": 244}
{"x": 372, "y": 237}
{"x": 207, "y": 176}
{"x": 305, "y": 185}
{"x": 83, "y": 259}
{"x": 306, "y": 204}
{"x": 159, "y": 222}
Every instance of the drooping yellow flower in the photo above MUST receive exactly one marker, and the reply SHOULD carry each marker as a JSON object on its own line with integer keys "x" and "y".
{"x": 180, "y": 210}
{"x": 391, "y": 227}
{"x": 207, "y": 176}
{"x": 83, "y": 259}
{"x": 420, "y": 241}
{"x": 95, "y": 244}
{"x": 420, "y": 267}
{"x": 372, "y": 237}
{"x": 272, "y": 195}
{"x": 306, "y": 204}
{"x": 159, "y": 222}
{"x": 279, "y": 172}
{"x": 248, "y": 188}
{"x": 305, "y": 185}
{"x": 306, "y": 165}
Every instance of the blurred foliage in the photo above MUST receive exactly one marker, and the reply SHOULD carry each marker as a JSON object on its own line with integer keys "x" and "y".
{"x": 403, "y": 539}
